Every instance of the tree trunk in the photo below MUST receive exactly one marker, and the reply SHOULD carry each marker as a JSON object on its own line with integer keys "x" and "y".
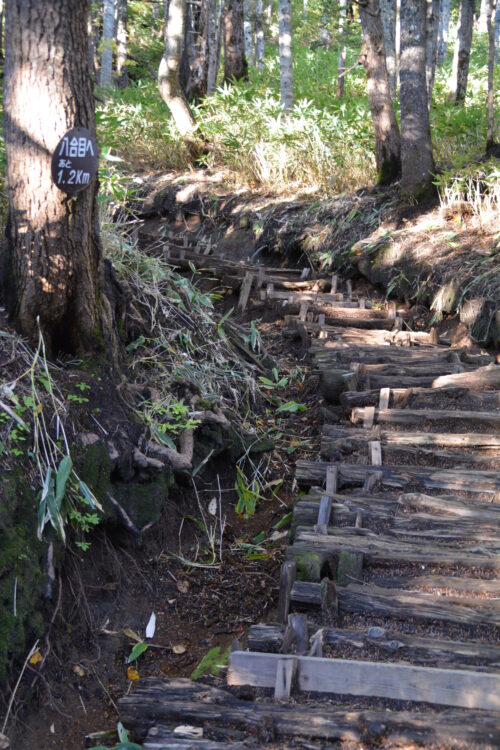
{"x": 194, "y": 61}
{"x": 235, "y": 64}
{"x": 108, "y": 28}
{"x": 443, "y": 30}
{"x": 431, "y": 45}
{"x": 490, "y": 137}
{"x": 168, "y": 73}
{"x": 259, "y": 34}
{"x": 213, "y": 50}
{"x": 389, "y": 14}
{"x": 1, "y": 29}
{"x": 247, "y": 30}
{"x": 497, "y": 30}
{"x": 482, "y": 24}
{"x": 155, "y": 9}
{"x": 387, "y": 138}
{"x": 286, "y": 57}
{"x": 416, "y": 145}
{"x": 461, "y": 56}
{"x": 53, "y": 265}
{"x": 343, "y": 51}
{"x": 121, "y": 46}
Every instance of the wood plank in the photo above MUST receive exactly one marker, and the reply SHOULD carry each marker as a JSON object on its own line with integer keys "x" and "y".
{"x": 162, "y": 738}
{"x": 338, "y": 435}
{"x": 399, "y": 477}
{"x": 287, "y": 577}
{"x": 400, "y": 396}
{"x": 448, "y": 687}
{"x": 482, "y": 378}
{"x": 442, "y": 583}
{"x": 414, "y": 416}
{"x": 344, "y": 508}
{"x": 420, "y": 650}
{"x": 384, "y": 549}
{"x": 181, "y": 700}
{"x": 246, "y": 287}
{"x": 477, "y": 512}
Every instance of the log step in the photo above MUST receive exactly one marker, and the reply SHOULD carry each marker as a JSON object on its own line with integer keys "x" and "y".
{"x": 414, "y": 416}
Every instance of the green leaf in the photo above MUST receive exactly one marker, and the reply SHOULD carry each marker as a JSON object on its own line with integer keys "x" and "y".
{"x": 138, "y": 649}
{"x": 55, "y": 516}
{"x": 283, "y": 521}
{"x": 62, "y": 477}
{"x": 291, "y": 407}
{"x": 122, "y": 732}
{"x": 89, "y": 496}
{"x": 211, "y": 662}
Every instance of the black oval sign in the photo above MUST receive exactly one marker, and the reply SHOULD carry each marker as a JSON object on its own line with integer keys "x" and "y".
{"x": 75, "y": 161}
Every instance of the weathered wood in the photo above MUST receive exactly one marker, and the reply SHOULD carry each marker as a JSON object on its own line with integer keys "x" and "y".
{"x": 411, "y": 369}
{"x": 430, "y": 526}
{"x": 287, "y": 578}
{"x": 414, "y": 416}
{"x": 162, "y": 738}
{"x": 384, "y": 549}
{"x": 482, "y": 378}
{"x": 382, "y": 354}
{"x": 475, "y": 511}
{"x": 399, "y": 477}
{"x": 286, "y": 672}
{"x": 246, "y": 287}
{"x": 344, "y": 508}
{"x": 446, "y": 687}
{"x": 473, "y": 586}
{"x": 155, "y": 700}
{"x": 334, "y": 382}
{"x": 431, "y": 651}
{"x": 324, "y": 595}
{"x": 399, "y": 396}
{"x": 319, "y": 299}
{"x": 385, "y": 397}
{"x": 338, "y": 436}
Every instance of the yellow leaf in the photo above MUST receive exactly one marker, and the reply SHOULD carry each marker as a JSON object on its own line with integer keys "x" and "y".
{"x": 39, "y": 409}
{"x": 132, "y": 674}
{"x": 36, "y": 658}
{"x": 132, "y": 635}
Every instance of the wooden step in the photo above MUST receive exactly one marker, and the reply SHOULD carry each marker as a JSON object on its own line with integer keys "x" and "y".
{"x": 415, "y": 416}
{"x": 402, "y": 396}
{"x": 398, "y": 681}
{"x": 334, "y": 437}
{"x": 183, "y": 701}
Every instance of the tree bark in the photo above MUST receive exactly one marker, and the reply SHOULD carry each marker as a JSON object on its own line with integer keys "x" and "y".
{"x": 433, "y": 7}
{"x": 121, "y": 46}
{"x": 388, "y": 9}
{"x": 497, "y": 30}
{"x": 416, "y": 145}
{"x": 482, "y": 23}
{"x": 194, "y": 61}
{"x": 108, "y": 29}
{"x": 286, "y": 55}
{"x": 235, "y": 63}
{"x": 443, "y": 30}
{"x": 343, "y": 51}
{"x": 213, "y": 50}
{"x": 53, "y": 264}
{"x": 247, "y": 30}
{"x": 168, "y": 73}
{"x": 1, "y": 29}
{"x": 490, "y": 136}
{"x": 387, "y": 138}
{"x": 259, "y": 34}
{"x": 461, "y": 56}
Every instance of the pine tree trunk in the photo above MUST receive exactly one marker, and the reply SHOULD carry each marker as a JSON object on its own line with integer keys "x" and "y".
{"x": 259, "y": 34}
{"x": 443, "y": 30}
{"x": 108, "y": 29}
{"x": 247, "y": 30}
{"x": 389, "y": 14}
{"x": 497, "y": 30}
{"x": 235, "y": 64}
{"x": 461, "y": 57}
{"x": 53, "y": 265}
{"x": 482, "y": 24}
{"x": 490, "y": 137}
{"x": 416, "y": 145}
{"x": 121, "y": 46}
{"x": 433, "y": 7}
{"x": 168, "y": 73}
{"x": 213, "y": 51}
{"x": 286, "y": 55}
{"x": 387, "y": 138}
{"x": 343, "y": 51}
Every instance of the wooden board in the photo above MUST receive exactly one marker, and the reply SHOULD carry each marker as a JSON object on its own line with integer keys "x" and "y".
{"x": 336, "y": 436}
{"x": 414, "y": 416}
{"x": 445, "y": 687}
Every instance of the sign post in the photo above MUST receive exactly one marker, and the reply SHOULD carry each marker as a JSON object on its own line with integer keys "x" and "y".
{"x": 75, "y": 161}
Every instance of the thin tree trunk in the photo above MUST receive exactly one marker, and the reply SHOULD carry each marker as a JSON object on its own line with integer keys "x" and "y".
{"x": 91, "y": 41}
{"x": 431, "y": 45}
{"x": 247, "y": 30}
{"x": 108, "y": 28}
{"x": 1, "y": 29}
{"x": 259, "y": 34}
{"x": 168, "y": 73}
{"x": 461, "y": 56}
{"x": 343, "y": 51}
{"x": 286, "y": 54}
{"x": 220, "y": 34}
{"x": 235, "y": 64}
{"x": 416, "y": 145}
{"x": 389, "y": 15}
{"x": 194, "y": 61}
{"x": 212, "y": 47}
{"x": 53, "y": 264}
{"x": 490, "y": 137}
{"x": 387, "y": 138}
{"x": 121, "y": 46}
{"x": 497, "y": 30}
{"x": 443, "y": 30}
{"x": 482, "y": 24}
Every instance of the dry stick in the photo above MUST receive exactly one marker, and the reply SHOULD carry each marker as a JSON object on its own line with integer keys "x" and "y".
{"x": 16, "y": 686}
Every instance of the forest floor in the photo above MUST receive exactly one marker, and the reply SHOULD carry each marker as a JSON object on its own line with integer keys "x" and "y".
{"x": 426, "y": 256}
